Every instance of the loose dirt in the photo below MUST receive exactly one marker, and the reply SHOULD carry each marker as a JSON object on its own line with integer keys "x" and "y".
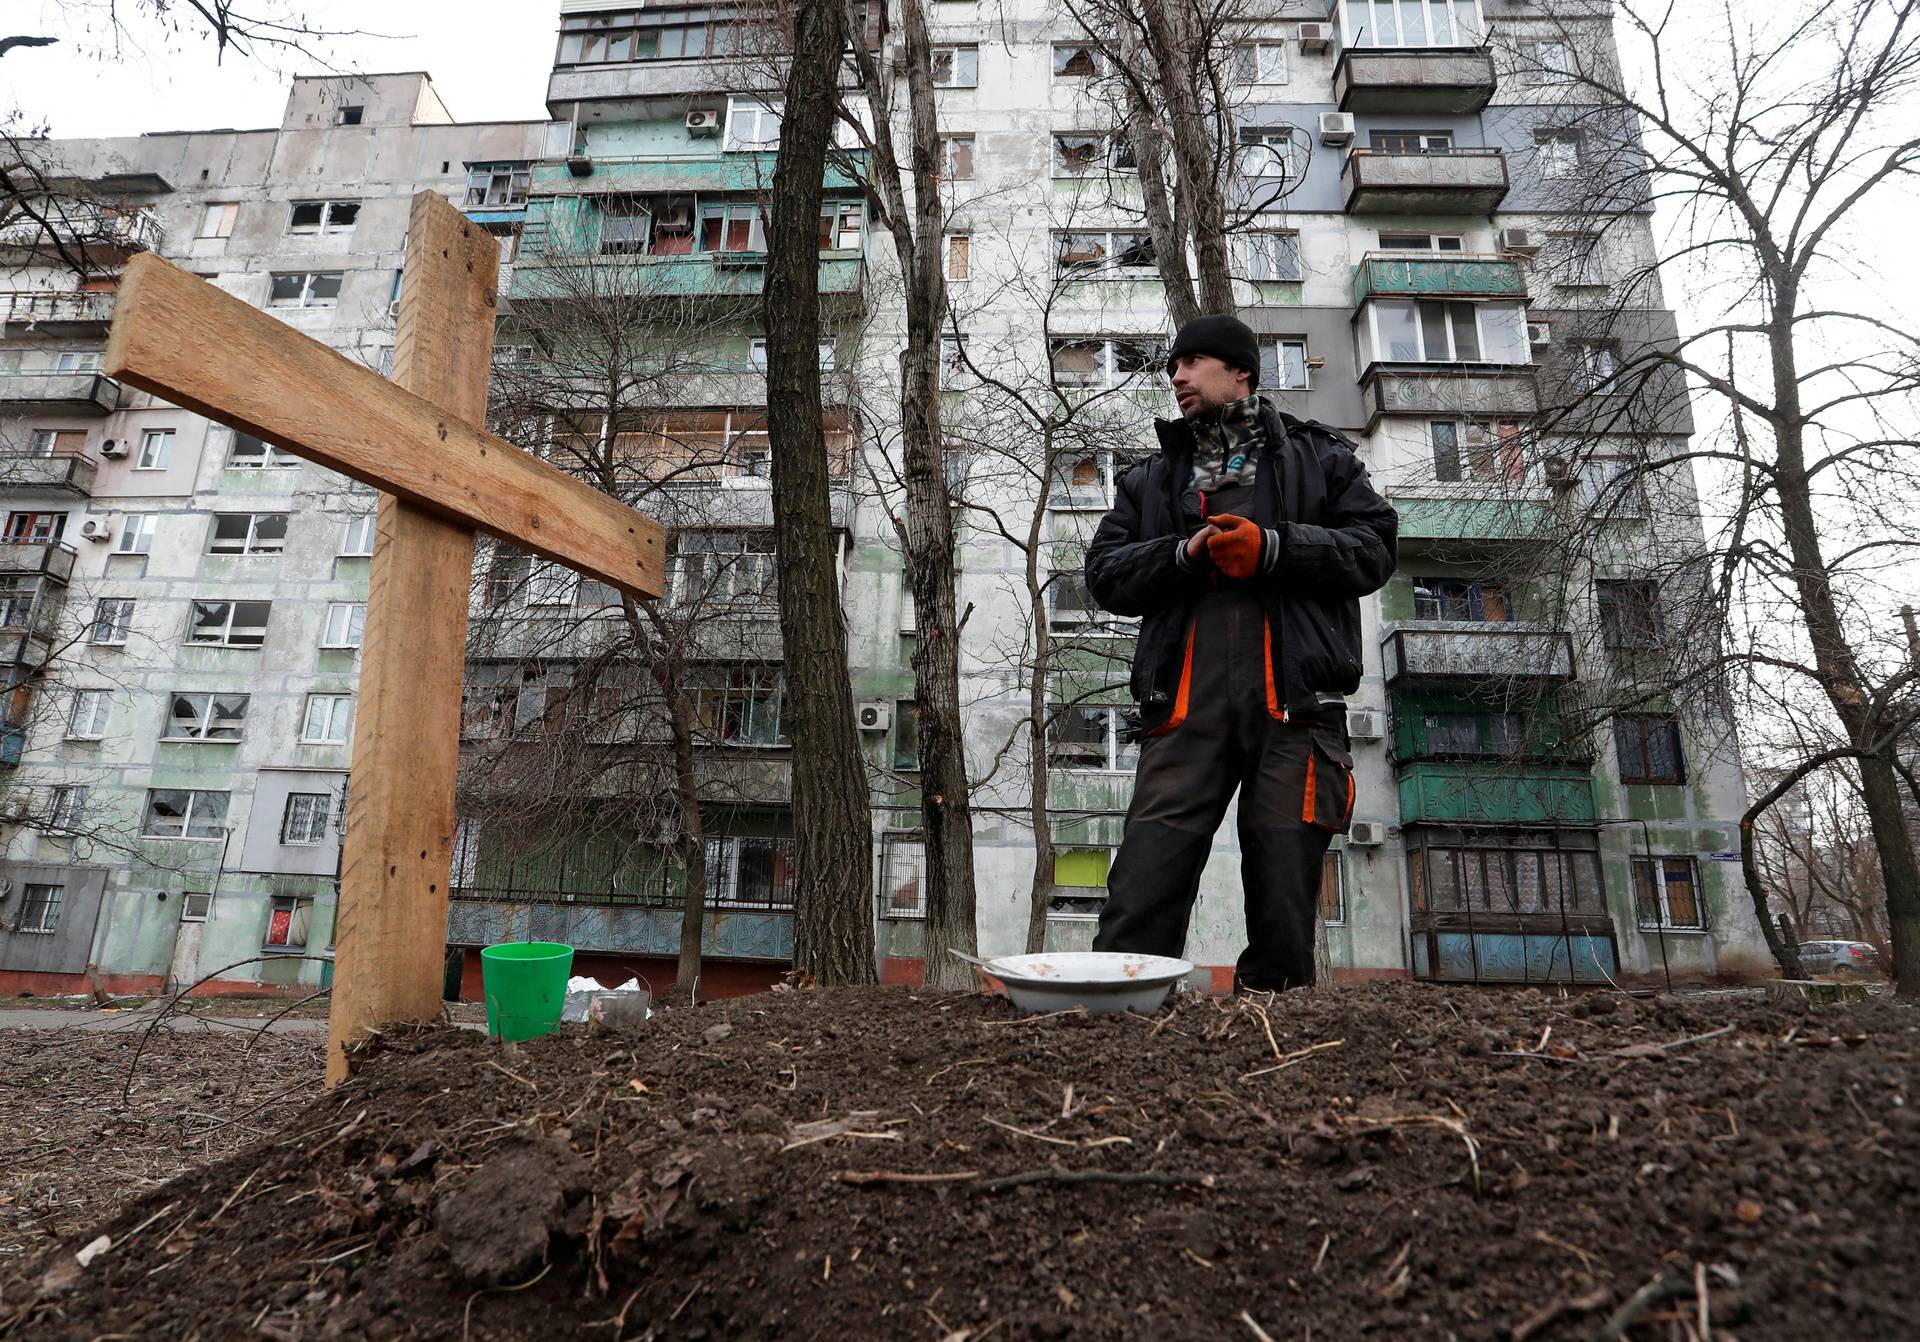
{"x": 1390, "y": 1161}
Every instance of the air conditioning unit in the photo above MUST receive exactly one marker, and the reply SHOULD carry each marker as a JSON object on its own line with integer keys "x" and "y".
{"x": 1519, "y": 241}
{"x": 1363, "y": 725}
{"x": 874, "y": 717}
{"x": 676, "y": 216}
{"x": 1366, "y": 834}
{"x": 580, "y": 164}
{"x": 97, "y": 529}
{"x": 1539, "y": 334}
{"x": 14, "y": 808}
{"x": 1316, "y": 36}
{"x": 113, "y": 449}
{"x": 1336, "y": 128}
{"x": 703, "y": 123}
{"x": 1557, "y": 470}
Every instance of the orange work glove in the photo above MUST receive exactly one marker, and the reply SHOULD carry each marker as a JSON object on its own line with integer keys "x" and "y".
{"x": 1235, "y": 550}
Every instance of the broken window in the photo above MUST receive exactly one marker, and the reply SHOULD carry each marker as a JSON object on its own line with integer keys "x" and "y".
{"x": 230, "y": 624}
{"x": 248, "y": 534}
{"x": 185, "y": 813}
{"x": 205, "y": 717}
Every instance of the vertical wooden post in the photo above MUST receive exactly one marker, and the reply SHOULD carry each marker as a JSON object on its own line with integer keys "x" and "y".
{"x": 390, "y": 939}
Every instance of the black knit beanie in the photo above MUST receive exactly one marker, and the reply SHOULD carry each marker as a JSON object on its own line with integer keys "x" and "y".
{"x": 1227, "y": 338}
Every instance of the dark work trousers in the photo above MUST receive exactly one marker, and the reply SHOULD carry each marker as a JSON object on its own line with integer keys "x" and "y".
{"x": 1294, "y": 777}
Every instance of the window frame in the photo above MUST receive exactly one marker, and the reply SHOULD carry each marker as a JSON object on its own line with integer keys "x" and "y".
{"x": 1120, "y": 756}
{"x": 1361, "y": 19}
{"x": 100, "y": 706}
{"x": 124, "y": 626}
{"x": 299, "y": 913}
{"x": 135, "y": 534}
{"x": 1600, "y": 480}
{"x": 226, "y": 640}
{"x": 1500, "y": 447}
{"x": 948, "y": 143}
{"x": 188, "y": 815}
{"x": 1073, "y": 907}
{"x": 1246, "y": 68}
{"x": 1476, "y": 593}
{"x": 1097, "y": 63}
{"x": 1278, "y": 345}
{"x": 957, "y": 242}
{"x": 760, "y": 109}
{"x": 1644, "y": 871}
{"x": 519, "y": 175}
{"x": 1111, "y": 258}
{"x": 67, "y": 806}
{"x": 50, "y": 899}
{"x": 356, "y": 621}
{"x": 336, "y": 705}
{"x": 1633, "y": 729}
{"x": 1114, "y": 156}
{"x": 221, "y": 215}
{"x": 306, "y": 298}
{"x": 1334, "y": 862}
{"x": 963, "y": 74}
{"x": 325, "y": 226}
{"x": 1279, "y": 151}
{"x": 1629, "y": 613}
{"x": 1557, "y": 153}
{"x": 1259, "y": 246}
{"x": 155, "y": 452}
{"x": 317, "y": 819}
{"x": 204, "y": 722}
{"x": 250, "y": 545}
{"x": 1108, "y": 376}
{"x": 366, "y": 523}
{"x": 272, "y": 457}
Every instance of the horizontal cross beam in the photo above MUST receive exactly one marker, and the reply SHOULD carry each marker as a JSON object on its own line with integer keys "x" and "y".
{"x": 183, "y": 339}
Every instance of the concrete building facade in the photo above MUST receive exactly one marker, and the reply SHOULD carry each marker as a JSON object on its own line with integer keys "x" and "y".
{"x": 1405, "y": 269}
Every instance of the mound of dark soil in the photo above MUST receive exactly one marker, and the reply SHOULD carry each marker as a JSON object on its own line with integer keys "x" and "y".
{"x": 1394, "y": 1161}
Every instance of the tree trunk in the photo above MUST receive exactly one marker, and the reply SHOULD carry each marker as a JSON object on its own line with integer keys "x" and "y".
{"x": 946, "y": 814}
{"x": 693, "y": 843}
{"x": 1037, "y": 678}
{"x": 833, "y": 913}
{"x": 1178, "y": 47}
{"x": 1834, "y": 656}
{"x": 1166, "y": 219}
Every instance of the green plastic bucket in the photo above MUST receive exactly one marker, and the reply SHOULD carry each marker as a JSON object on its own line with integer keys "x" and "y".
{"x": 525, "y": 984}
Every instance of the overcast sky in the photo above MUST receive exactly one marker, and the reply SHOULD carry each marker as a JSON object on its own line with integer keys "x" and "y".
{"x": 489, "y": 60}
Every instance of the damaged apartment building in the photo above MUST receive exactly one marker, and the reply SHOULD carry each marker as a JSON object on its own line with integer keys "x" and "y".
{"x": 184, "y": 602}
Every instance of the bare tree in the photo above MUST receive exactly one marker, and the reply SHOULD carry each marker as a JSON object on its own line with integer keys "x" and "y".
{"x": 833, "y": 934}
{"x": 1775, "y": 138}
{"x": 1173, "y": 75}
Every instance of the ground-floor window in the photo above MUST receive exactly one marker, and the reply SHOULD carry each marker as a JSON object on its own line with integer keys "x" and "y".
{"x": 747, "y": 872}
{"x": 903, "y": 876}
{"x": 1333, "y": 888}
{"x": 1506, "y": 872}
{"x": 288, "y": 924}
{"x": 1666, "y": 893}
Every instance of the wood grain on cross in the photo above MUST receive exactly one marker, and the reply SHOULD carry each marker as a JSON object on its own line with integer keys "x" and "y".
{"x": 441, "y": 479}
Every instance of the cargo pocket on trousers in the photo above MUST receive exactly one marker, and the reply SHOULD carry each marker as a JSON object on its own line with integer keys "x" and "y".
{"x": 1328, "y": 800}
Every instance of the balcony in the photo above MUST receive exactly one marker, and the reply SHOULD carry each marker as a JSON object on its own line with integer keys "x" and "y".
{"x": 1464, "y": 181}
{"x": 97, "y": 231}
{"x": 54, "y": 559}
{"x": 1507, "y": 516}
{"x": 1449, "y": 391}
{"x": 1444, "y": 81}
{"x": 13, "y": 744}
{"x": 1480, "y": 794}
{"x": 55, "y": 311}
{"x": 62, "y": 473}
{"x": 713, "y": 173}
{"x": 24, "y": 647}
{"x": 1451, "y": 275}
{"x": 84, "y": 393}
{"x": 546, "y": 277}
{"x": 694, "y": 77}
{"x": 484, "y": 918}
{"x": 1506, "y": 651}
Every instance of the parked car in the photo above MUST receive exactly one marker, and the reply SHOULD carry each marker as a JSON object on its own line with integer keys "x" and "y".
{"x": 1839, "y": 958}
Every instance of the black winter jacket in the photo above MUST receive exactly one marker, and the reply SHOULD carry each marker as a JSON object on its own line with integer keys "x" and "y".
{"x": 1336, "y": 539}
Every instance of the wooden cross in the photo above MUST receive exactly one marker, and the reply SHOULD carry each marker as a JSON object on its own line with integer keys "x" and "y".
{"x": 441, "y": 478}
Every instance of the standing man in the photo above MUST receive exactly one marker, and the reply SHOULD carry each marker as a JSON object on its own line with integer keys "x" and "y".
{"x": 1244, "y": 548}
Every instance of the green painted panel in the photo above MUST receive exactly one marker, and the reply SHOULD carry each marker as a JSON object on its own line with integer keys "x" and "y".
{"x": 1542, "y": 715}
{"x": 720, "y": 173}
{"x": 1421, "y": 277}
{"x": 1081, "y": 866}
{"x": 1472, "y": 519}
{"x": 1436, "y": 793}
{"x": 672, "y": 276}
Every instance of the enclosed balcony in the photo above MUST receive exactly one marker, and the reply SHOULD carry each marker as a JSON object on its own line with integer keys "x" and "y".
{"x": 1453, "y": 793}
{"x": 1441, "y": 275}
{"x": 58, "y": 473}
{"x": 1459, "y": 181}
{"x": 53, "y": 559}
{"x": 1455, "y": 391}
{"x": 1476, "y": 651}
{"x": 80, "y": 393}
{"x": 56, "y": 312}
{"x": 1428, "y": 80}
